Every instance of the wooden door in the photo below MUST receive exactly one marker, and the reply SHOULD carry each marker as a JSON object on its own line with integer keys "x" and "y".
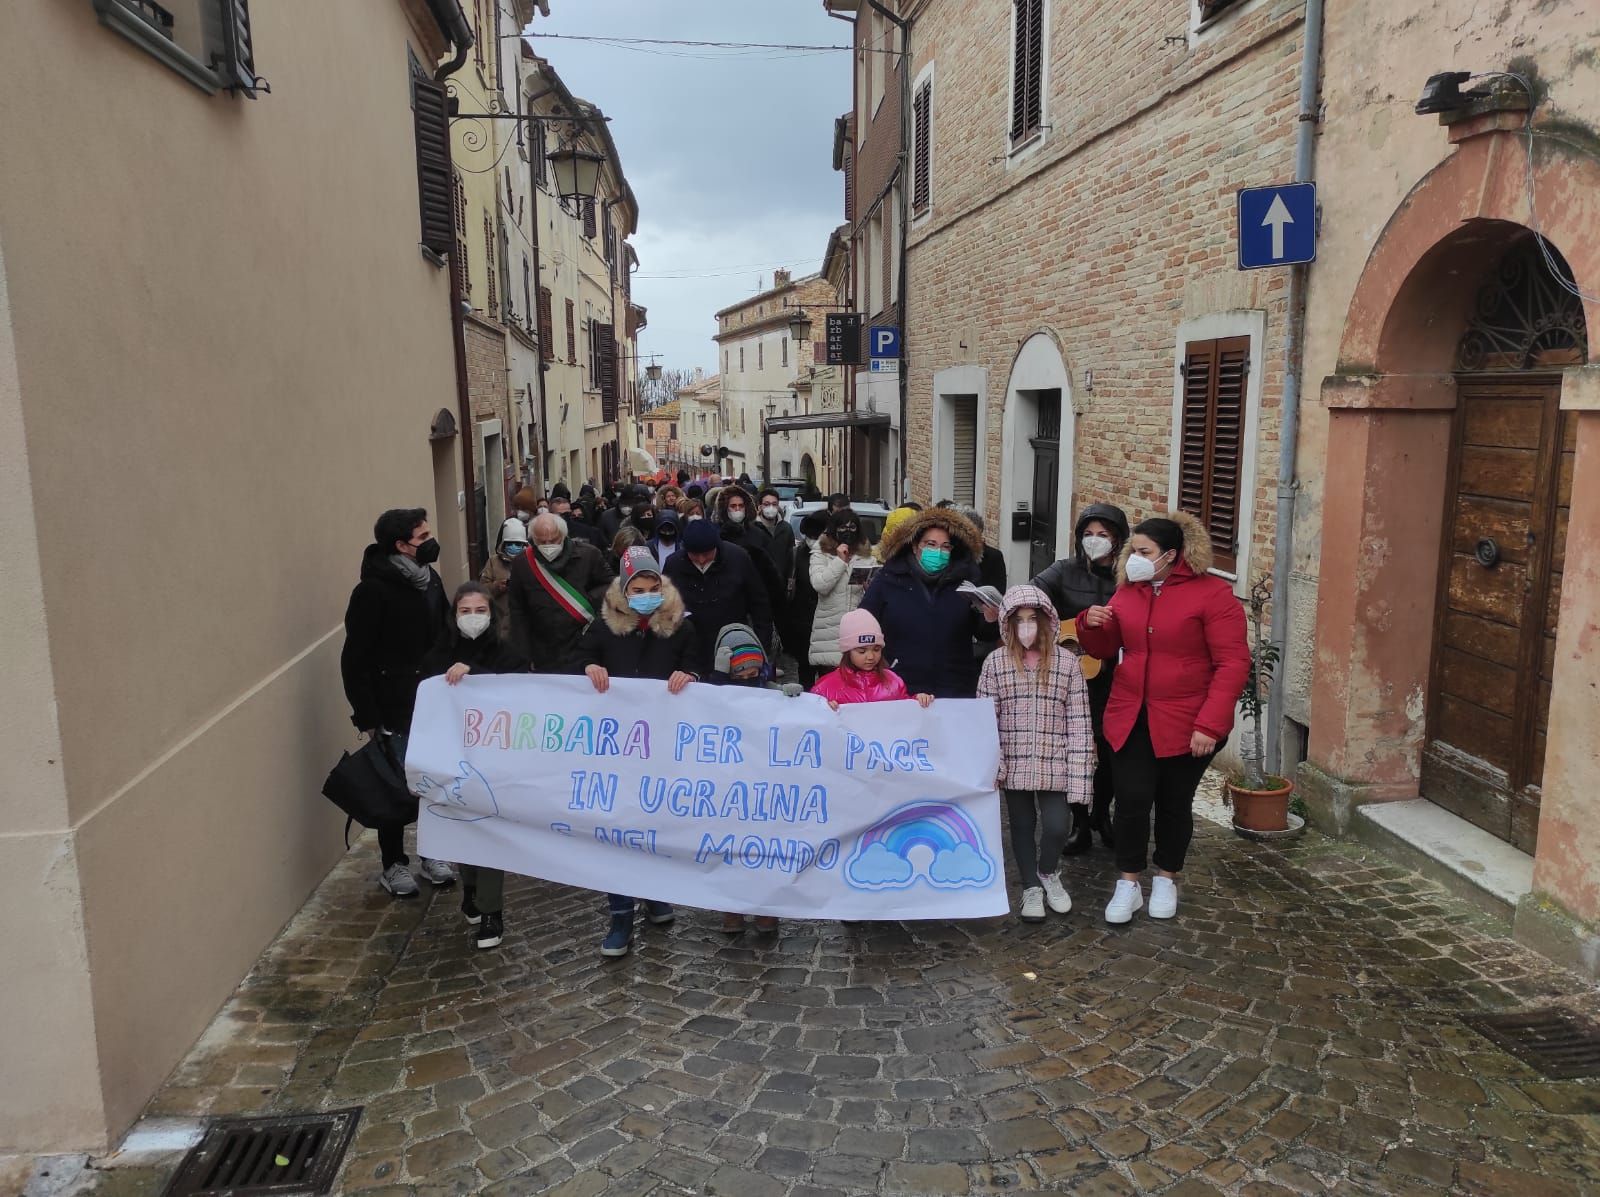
{"x": 1500, "y": 586}
{"x": 1046, "y": 482}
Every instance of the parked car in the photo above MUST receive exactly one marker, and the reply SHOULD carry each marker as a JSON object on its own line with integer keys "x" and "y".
{"x": 871, "y": 514}
{"x": 788, "y": 491}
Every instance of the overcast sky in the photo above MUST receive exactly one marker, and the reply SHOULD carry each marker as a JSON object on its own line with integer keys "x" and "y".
{"x": 730, "y": 152}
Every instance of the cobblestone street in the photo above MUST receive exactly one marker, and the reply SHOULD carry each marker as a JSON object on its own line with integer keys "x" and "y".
{"x": 1293, "y": 1031}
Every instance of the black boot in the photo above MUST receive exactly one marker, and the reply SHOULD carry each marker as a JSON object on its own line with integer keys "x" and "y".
{"x": 1100, "y": 820}
{"x": 1080, "y": 840}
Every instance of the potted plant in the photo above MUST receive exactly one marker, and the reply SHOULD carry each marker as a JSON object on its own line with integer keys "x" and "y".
{"x": 1260, "y": 802}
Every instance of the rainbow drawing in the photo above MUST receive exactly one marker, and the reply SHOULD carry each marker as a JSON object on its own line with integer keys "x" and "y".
{"x": 882, "y": 856}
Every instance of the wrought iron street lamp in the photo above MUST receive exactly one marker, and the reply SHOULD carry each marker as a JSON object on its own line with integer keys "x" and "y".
{"x": 577, "y": 172}
{"x": 800, "y": 326}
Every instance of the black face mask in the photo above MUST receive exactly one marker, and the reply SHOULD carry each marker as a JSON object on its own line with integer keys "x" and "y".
{"x": 645, "y": 526}
{"x": 847, "y": 534}
{"x": 428, "y": 552}
{"x": 667, "y": 532}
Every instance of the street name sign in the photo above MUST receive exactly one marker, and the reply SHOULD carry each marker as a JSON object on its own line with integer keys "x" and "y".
{"x": 1277, "y": 225}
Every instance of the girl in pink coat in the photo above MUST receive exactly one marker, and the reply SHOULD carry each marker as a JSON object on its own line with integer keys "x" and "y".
{"x": 861, "y": 676}
{"x": 1047, "y": 753}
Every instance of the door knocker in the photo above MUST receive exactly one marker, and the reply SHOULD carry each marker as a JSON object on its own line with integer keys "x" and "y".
{"x": 1487, "y": 553}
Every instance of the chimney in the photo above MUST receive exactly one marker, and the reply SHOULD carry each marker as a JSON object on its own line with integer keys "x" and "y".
{"x": 780, "y": 278}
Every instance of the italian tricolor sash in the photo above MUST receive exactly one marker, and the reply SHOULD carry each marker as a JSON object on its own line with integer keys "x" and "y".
{"x": 567, "y": 596}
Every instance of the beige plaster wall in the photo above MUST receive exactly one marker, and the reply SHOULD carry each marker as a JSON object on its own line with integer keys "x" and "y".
{"x": 228, "y": 350}
{"x": 1372, "y": 149}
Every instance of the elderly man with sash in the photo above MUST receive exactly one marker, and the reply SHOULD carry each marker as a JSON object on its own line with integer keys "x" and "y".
{"x": 556, "y": 588}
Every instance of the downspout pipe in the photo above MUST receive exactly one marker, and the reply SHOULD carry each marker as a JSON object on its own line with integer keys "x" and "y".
{"x": 452, "y": 19}
{"x": 1293, "y": 367}
{"x": 903, "y": 171}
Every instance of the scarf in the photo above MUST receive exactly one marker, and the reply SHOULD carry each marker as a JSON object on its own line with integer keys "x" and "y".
{"x": 418, "y": 575}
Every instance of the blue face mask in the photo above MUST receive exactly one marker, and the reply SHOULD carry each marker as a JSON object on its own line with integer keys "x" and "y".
{"x": 933, "y": 560}
{"x": 644, "y": 604}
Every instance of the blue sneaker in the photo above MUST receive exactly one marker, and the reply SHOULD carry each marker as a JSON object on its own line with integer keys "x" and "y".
{"x": 659, "y": 913}
{"x": 620, "y": 937}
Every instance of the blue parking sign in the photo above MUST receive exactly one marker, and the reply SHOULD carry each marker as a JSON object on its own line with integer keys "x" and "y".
{"x": 1277, "y": 225}
{"x": 883, "y": 341}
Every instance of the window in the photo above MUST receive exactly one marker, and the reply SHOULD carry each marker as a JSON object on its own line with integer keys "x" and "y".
{"x": 463, "y": 275}
{"x": 724, "y": 361}
{"x": 208, "y": 42}
{"x": 964, "y": 449}
{"x": 1211, "y": 439}
{"x": 742, "y": 426}
{"x": 536, "y": 143}
{"x": 1211, "y": 8}
{"x": 761, "y": 355}
{"x": 572, "y": 335}
{"x": 430, "y": 122}
{"x": 547, "y": 325}
{"x": 477, "y": 32}
{"x": 490, "y": 274}
{"x": 672, "y": 431}
{"x": 785, "y": 345}
{"x": 741, "y": 359}
{"x": 1027, "y": 70}
{"x": 922, "y": 141}
{"x": 603, "y": 338}
{"x": 527, "y": 293}
{"x": 589, "y": 229}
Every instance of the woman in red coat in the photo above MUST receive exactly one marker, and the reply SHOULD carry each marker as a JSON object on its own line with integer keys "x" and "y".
{"x": 1185, "y": 660}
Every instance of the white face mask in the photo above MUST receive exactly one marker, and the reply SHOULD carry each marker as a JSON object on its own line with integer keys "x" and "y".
{"x": 1142, "y": 569}
{"x": 473, "y": 626}
{"x": 1027, "y": 632}
{"x": 769, "y": 511}
{"x": 736, "y": 517}
{"x": 1097, "y": 547}
{"x": 551, "y": 551}
{"x": 525, "y": 516}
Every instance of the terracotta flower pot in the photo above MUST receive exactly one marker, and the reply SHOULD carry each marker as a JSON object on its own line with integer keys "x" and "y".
{"x": 1261, "y": 810}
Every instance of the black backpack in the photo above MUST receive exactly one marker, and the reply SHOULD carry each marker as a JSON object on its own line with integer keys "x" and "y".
{"x": 369, "y": 785}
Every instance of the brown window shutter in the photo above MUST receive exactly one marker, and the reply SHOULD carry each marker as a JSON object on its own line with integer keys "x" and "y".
{"x": 435, "y": 178}
{"x": 1027, "y": 68}
{"x": 459, "y": 253}
{"x": 588, "y": 217}
{"x": 237, "y": 63}
{"x": 850, "y": 185}
{"x": 572, "y": 335}
{"x": 605, "y": 348}
{"x": 922, "y": 114}
{"x": 490, "y": 273}
{"x": 547, "y": 327}
{"x": 1211, "y": 443}
{"x": 536, "y": 148}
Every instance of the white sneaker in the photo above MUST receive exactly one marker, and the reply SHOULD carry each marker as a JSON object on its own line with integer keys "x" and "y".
{"x": 1055, "y": 893}
{"x": 398, "y": 881}
{"x": 1125, "y": 902}
{"x": 437, "y": 872}
{"x": 1032, "y": 905}
{"x": 1163, "y": 898}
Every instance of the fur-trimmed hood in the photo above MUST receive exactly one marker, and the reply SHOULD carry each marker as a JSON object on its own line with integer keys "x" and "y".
{"x": 621, "y": 620}
{"x": 1027, "y": 595}
{"x": 965, "y": 540}
{"x": 1196, "y": 553}
{"x": 725, "y": 493}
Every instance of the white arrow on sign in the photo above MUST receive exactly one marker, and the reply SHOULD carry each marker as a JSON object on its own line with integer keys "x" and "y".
{"x": 1277, "y": 216}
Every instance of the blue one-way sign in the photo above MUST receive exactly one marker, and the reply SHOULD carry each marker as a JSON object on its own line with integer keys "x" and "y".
{"x": 1277, "y": 225}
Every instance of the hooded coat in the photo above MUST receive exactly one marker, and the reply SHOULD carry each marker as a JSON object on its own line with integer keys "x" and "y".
{"x": 389, "y": 626}
{"x": 756, "y": 540}
{"x": 928, "y": 624}
{"x": 730, "y": 591}
{"x": 846, "y": 685}
{"x": 1075, "y": 584}
{"x": 540, "y": 626}
{"x": 1185, "y": 655}
{"x": 1046, "y": 731}
{"x": 830, "y": 582}
{"x": 624, "y": 646}
{"x": 662, "y": 548}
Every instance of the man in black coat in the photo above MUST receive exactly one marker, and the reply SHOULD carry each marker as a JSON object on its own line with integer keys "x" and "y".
{"x": 577, "y": 527}
{"x": 396, "y": 613}
{"x": 633, "y": 495}
{"x": 553, "y": 599}
{"x": 738, "y": 525}
{"x": 719, "y": 585}
{"x": 780, "y": 536}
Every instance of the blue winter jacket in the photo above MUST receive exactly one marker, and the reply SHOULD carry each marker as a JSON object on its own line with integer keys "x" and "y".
{"x": 929, "y": 626}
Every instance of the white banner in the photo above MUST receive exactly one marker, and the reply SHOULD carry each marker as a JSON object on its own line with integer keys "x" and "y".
{"x": 719, "y": 797}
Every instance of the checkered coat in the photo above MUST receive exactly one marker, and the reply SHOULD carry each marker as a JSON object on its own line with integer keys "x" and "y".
{"x": 1046, "y": 731}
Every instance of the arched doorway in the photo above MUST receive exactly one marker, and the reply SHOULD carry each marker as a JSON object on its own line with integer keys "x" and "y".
{"x": 1037, "y": 440}
{"x": 808, "y": 468}
{"x": 1508, "y": 493}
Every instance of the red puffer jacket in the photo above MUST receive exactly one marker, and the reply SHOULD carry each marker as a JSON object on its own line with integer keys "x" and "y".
{"x": 847, "y": 685}
{"x": 1185, "y": 656}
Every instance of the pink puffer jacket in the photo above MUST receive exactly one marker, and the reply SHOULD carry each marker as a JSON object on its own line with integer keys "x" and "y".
{"x": 845, "y": 684}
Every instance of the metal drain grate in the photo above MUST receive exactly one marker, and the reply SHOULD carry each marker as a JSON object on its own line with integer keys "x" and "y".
{"x": 299, "y": 1153}
{"x": 1556, "y": 1042}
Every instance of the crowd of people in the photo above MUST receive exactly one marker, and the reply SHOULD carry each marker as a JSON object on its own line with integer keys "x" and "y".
{"x": 1114, "y": 673}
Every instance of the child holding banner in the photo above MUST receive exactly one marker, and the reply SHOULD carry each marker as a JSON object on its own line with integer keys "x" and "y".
{"x": 741, "y": 661}
{"x": 473, "y": 643}
{"x": 862, "y": 676}
{"x": 1046, "y": 742}
{"x": 643, "y": 632}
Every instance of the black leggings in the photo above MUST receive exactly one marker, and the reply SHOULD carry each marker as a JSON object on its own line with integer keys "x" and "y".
{"x": 1036, "y": 843}
{"x": 1165, "y": 784}
{"x": 392, "y": 844}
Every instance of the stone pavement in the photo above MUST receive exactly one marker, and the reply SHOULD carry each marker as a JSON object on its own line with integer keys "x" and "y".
{"x": 1293, "y": 1031}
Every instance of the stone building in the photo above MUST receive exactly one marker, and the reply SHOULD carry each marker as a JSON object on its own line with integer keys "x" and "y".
{"x": 1447, "y": 545}
{"x": 659, "y": 435}
{"x": 702, "y": 423}
{"x": 760, "y": 366}
{"x": 227, "y": 371}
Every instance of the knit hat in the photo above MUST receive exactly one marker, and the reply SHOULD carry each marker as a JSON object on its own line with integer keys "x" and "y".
{"x": 560, "y": 491}
{"x": 514, "y": 531}
{"x": 701, "y": 536}
{"x": 738, "y": 646}
{"x": 639, "y": 560}
{"x": 694, "y": 491}
{"x": 858, "y": 629}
